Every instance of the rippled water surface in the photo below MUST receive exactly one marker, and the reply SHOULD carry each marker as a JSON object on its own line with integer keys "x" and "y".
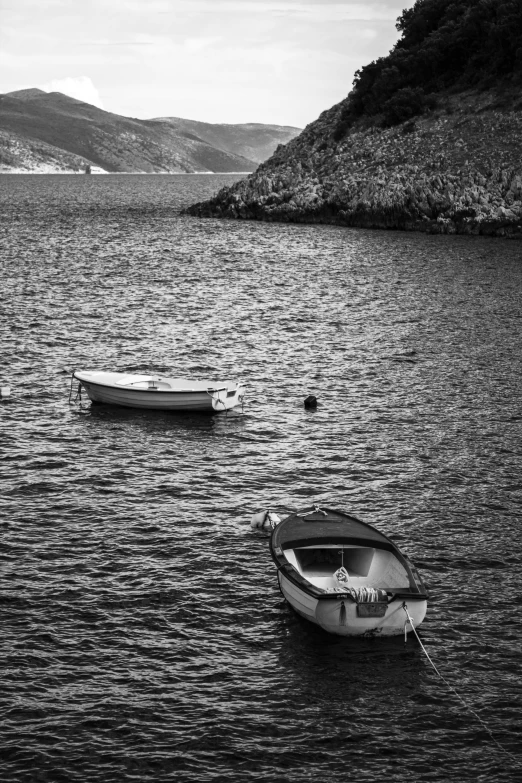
{"x": 143, "y": 636}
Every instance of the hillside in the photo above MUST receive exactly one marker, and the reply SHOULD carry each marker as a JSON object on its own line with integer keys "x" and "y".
{"x": 430, "y": 138}
{"x": 253, "y": 141}
{"x": 42, "y": 131}
{"x": 19, "y": 155}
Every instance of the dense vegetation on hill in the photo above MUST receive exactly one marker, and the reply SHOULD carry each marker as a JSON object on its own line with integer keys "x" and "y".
{"x": 429, "y": 139}
{"x": 445, "y": 44}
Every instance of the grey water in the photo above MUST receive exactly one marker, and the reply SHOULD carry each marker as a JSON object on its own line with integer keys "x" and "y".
{"x": 142, "y": 633}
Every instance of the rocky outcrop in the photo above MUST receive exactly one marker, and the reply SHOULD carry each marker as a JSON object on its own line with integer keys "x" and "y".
{"x": 457, "y": 169}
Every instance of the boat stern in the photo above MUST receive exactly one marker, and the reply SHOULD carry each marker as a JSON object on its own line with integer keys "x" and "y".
{"x": 227, "y": 397}
{"x": 345, "y": 617}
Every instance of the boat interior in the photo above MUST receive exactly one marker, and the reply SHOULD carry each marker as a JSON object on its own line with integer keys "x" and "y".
{"x": 366, "y": 566}
{"x": 146, "y": 383}
{"x": 168, "y": 384}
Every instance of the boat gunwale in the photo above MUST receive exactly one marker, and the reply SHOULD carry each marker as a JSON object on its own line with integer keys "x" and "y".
{"x": 293, "y": 575}
{"x": 417, "y": 590}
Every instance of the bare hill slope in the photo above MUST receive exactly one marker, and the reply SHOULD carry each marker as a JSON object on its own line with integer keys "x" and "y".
{"x": 254, "y": 141}
{"x": 68, "y": 132}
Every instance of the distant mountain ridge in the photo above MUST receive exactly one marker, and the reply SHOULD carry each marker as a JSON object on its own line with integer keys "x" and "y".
{"x": 48, "y": 132}
{"x": 253, "y": 141}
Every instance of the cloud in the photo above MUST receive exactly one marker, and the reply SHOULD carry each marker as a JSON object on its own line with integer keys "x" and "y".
{"x": 368, "y": 33}
{"x": 313, "y": 10}
{"x": 79, "y": 87}
{"x": 200, "y": 43}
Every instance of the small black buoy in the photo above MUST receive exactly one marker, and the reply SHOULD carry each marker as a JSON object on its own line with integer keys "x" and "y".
{"x": 310, "y": 402}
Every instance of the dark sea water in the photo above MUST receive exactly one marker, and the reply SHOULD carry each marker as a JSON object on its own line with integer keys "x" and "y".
{"x": 142, "y": 633}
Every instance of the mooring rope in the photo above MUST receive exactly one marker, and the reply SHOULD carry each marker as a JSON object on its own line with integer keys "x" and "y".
{"x": 315, "y": 510}
{"x": 71, "y": 388}
{"x": 78, "y": 395}
{"x": 517, "y": 762}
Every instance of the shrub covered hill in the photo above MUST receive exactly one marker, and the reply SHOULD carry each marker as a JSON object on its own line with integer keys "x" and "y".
{"x": 429, "y": 139}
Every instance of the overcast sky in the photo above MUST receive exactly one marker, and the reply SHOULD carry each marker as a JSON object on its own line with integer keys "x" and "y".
{"x": 270, "y": 61}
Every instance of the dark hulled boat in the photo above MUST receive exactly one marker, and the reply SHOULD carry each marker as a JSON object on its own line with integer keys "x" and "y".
{"x": 346, "y": 576}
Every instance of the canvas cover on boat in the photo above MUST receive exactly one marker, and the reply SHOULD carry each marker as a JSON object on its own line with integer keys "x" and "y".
{"x": 309, "y": 528}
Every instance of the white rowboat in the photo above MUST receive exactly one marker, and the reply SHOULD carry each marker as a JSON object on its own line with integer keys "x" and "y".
{"x": 156, "y": 392}
{"x": 346, "y": 576}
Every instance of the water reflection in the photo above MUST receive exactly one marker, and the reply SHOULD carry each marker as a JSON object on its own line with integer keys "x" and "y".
{"x": 151, "y": 420}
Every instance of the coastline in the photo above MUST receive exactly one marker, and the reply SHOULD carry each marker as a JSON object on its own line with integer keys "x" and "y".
{"x": 127, "y": 173}
{"x": 455, "y": 171}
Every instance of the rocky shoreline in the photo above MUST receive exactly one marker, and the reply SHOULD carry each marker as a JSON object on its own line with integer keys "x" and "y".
{"x": 457, "y": 170}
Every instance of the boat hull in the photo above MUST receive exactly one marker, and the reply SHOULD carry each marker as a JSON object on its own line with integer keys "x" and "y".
{"x": 345, "y": 575}
{"x": 205, "y": 400}
{"x": 338, "y": 615}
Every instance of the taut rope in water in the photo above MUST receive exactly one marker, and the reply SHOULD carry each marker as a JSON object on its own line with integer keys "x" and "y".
{"x": 516, "y": 761}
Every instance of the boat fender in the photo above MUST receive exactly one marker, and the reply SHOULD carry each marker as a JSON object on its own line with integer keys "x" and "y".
{"x": 342, "y": 614}
{"x": 342, "y": 577}
{"x": 264, "y": 520}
